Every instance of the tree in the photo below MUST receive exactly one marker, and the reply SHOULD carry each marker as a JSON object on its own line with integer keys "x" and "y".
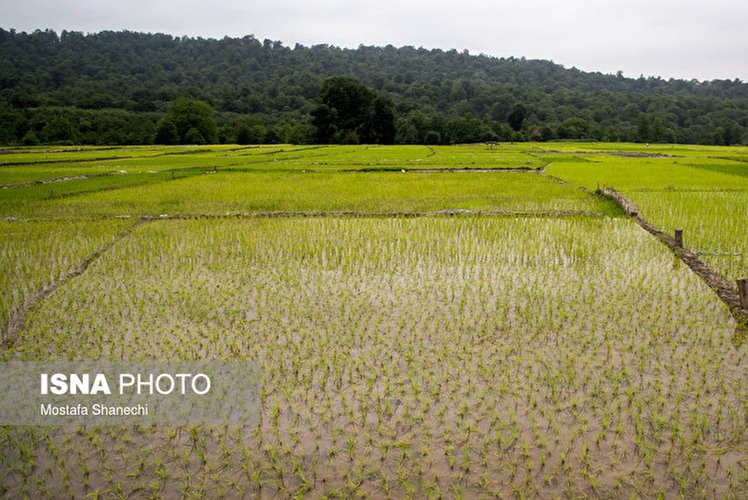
{"x": 248, "y": 132}
{"x": 193, "y": 136}
{"x": 469, "y": 129}
{"x": 98, "y": 78}
{"x": 384, "y": 120}
{"x": 546, "y": 133}
{"x": 517, "y": 117}
{"x": 166, "y": 132}
{"x": 300, "y": 133}
{"x": 325, "y": 120}
{"x": 189, "y": 122}
{"x": 574, "y": 128}
{"x": 349, "y": 112}
{"x": 30, "y": 139}
{"x": 60, "y": 130}
{"x": 732, "y": 134}
{"x": 643, "y": 127}
{"x": 432, "y": 137}
{"x": 243, "y": 135}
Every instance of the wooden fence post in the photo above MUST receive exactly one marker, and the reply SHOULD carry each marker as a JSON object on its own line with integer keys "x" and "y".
{"x": 679, "y": 237}
{"x": 743, "y": 292}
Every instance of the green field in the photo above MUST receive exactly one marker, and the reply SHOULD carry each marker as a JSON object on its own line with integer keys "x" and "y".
{"x": 444, "y": 321}
{"x": 702, "y": 190}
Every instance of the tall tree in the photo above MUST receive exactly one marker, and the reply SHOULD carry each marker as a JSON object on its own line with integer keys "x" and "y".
{"x": 188, "y": 121}
{"x": 347, "y": 111}
{"x": 517, "y": 117}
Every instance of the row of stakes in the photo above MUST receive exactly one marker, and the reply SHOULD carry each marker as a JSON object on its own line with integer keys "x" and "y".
{"x": 742, "y": 282}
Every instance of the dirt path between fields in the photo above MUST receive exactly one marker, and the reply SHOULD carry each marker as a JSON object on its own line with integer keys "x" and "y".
{"x": 724, "y": 289}
{"x": 622, "y": 154}
{"x": 18, "y": 317}
{"x": 380, "y": 215}
{"x": 447, "y": 170}
{"x": 471, "y": 169}
{"x": 457, "y": 212}
{"x": 52, "y": 181}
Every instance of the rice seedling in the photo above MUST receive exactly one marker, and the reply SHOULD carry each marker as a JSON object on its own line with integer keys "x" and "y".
{"x": 36, "y": 254}
{"x": 489, "y": 250}
{"x": 467, "y": 356}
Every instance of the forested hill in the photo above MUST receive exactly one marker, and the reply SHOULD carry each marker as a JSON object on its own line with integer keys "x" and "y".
{"x": 113, "y": 87}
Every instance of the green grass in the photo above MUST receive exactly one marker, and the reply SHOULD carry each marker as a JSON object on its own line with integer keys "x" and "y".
{"x": 370, "y": 192}
{"x": 34, "y": 254}
{"x": 715, "y": 224}
{"x": 44, "y": 164}
{"x": 614, "y": 147}
{"x": 33, "y": 165}
{"x": 53, "y": 154}
{"x": 35, "y": 193}
{"x": 703, "y": 191}
{"x": 731, "y": 166}
{"x": 654, "y": 174}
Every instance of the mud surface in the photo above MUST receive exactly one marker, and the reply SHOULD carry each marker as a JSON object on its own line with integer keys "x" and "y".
{"x": 49, "y": 181}
{"x": 623, "y": 154}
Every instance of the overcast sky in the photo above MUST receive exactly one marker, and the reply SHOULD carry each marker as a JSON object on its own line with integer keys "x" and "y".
{"x": 703, "y": 39}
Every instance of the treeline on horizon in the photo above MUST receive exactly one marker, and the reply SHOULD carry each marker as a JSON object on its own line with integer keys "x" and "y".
{"x": 118, "y": 87}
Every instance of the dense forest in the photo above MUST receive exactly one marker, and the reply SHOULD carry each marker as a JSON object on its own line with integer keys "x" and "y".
{"x": 119, "y": 88}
